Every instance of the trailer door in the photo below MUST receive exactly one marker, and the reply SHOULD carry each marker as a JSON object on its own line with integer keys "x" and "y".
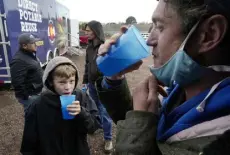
{"x": 4, "y": 57}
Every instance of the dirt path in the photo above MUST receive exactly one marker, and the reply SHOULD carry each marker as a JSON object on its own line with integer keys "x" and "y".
{"x": 11, "y": 114}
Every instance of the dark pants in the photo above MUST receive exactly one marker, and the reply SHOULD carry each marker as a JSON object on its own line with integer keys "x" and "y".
{"x": 105, "y": 118}
{"x": 26, "y": 103}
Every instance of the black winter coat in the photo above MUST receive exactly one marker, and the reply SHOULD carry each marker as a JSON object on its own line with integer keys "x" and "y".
{"x": 46, "y": 133}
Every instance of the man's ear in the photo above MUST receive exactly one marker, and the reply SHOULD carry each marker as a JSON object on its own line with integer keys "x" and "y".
{"x": 212, "y": 32}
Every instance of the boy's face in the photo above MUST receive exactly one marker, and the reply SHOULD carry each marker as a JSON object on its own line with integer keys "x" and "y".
{"x": 63, "y": 85}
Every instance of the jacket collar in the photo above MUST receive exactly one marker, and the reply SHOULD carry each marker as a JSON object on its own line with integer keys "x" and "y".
{"x": 31, "y": 54}
{"x": 95, "y": 43}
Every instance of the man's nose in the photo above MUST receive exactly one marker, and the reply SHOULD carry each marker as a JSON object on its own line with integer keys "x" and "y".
{"x": 152, "y": 40}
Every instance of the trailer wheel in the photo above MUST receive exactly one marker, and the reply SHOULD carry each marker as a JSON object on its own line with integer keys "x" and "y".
{"x": 56, "y": 52}
{"x": 49, "y": 56}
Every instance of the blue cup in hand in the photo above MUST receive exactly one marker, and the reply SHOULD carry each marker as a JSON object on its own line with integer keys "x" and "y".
{"x": 65, "y": 101}
{"x": 128, "y": 50}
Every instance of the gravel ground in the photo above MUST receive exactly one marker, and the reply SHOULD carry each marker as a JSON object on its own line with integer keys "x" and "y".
{"x": 11, "y": 112}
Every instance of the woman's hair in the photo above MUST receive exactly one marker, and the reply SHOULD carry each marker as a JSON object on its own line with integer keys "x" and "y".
{"x": 61, "y": 42}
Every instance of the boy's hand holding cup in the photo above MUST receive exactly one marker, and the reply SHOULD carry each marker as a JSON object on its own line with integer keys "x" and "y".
{"x": 74, "y": 108}
{"x": 70, "y": 107}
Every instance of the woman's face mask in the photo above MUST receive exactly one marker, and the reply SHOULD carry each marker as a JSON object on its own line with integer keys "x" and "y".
{"x": 181, "y": 68}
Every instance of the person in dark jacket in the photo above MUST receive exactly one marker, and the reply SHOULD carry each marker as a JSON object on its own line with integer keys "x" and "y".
{"x": 95, "y": 34}
{"x": 26, "y": 71}
{"x": 190, "y": 48}
{"x": 45, "y": 131}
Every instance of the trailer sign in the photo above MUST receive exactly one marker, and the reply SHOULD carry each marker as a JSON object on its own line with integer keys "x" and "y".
{"x": 29, "y": 15}
{"x": 39, "y": 43}
{"x": 40, "y": 18}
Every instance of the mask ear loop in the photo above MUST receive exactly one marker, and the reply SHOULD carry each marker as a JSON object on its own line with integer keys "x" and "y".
{"x": 189, "y": 35}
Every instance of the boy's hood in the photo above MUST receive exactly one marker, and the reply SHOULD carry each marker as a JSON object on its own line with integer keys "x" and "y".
{"x": 56, "y": 61}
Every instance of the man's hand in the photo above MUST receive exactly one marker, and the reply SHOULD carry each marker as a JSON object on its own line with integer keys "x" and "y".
{"x": 145, "y": 95}
{"x": 74, "y": 109}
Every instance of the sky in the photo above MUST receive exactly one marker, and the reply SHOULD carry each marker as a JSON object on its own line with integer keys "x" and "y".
{"x": 110, "y": 11}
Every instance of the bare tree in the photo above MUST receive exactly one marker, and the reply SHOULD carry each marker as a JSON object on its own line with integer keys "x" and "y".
{"x": 131, "y": 20}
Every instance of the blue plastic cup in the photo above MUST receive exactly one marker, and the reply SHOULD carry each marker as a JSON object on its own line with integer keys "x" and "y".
{"x": 65, "y": 101}
{"x": 128, "y": 50}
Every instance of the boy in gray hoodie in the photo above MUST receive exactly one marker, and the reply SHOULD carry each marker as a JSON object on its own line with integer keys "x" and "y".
{"x": 46, "y": 132}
